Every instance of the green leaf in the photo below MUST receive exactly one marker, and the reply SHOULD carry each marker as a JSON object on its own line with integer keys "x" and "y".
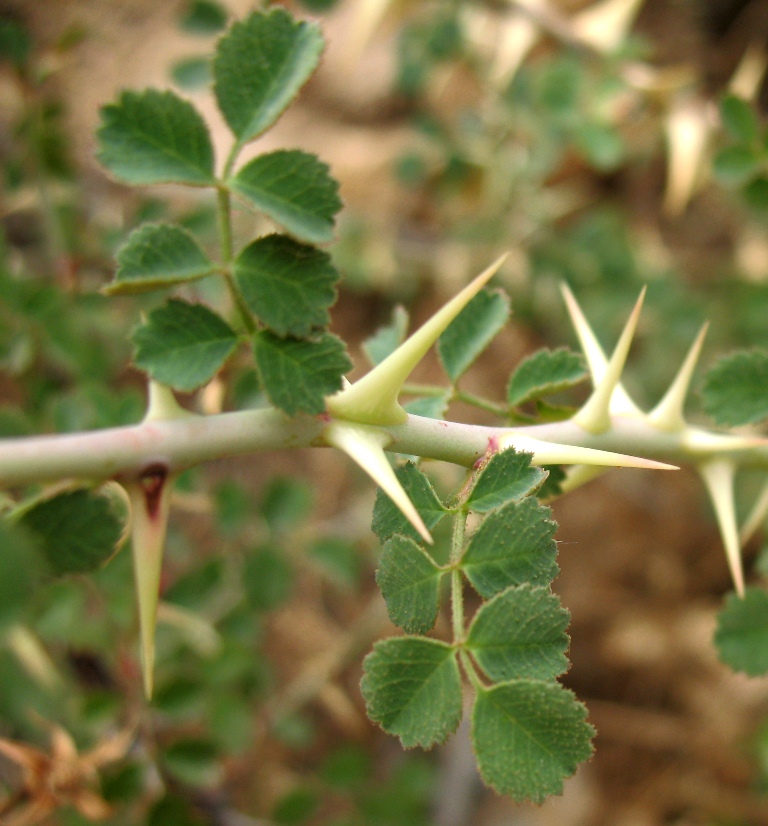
{"x": 735, "y": 390}
{"x": 507, "y": 475}
{"x": 472, "y": 331}
{"x": 412, "y": 689}
{"x": 20, "y": 574}
{"x": 260, "y": 66}
{"x": 157, "y": 256}
{"x": 410, "y": 583}
{"x": 194, "y": 762}
{"x": 387, "y": 517}
{"x": 267, "y": 578}
{"x": 431, "y": 407}
{"x": 520, "y": 633}
{"x": 741, "y": 637}
{"x": 735, "y": 165}
{"x": 514, "y": 545}
{"x": 77, "y": 530}
{"x": 155, "y": 137}
{"x": 544, "y": 373}
{"x": 203, "y": 17}
{"x": 288, "y": 285}
{"x": 293, "y": 188}
{"x": 739, "y": 119}
{"x": 601, "y": 144}
{"x": 755, "y": 194}
{"x": 183, "y": 345}
{"x": 387, "y": 339}
{"x": 297, "y": 375}
{"x": 528, "y": 737}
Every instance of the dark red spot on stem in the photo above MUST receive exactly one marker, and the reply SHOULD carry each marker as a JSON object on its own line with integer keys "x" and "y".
{"x": 152, "y": 482}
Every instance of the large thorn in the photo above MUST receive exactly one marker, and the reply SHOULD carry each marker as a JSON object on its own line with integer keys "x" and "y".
{"x": 550, "y": 453}
{"x": 668, "y": 413}
{"x": 718, "y": 476}
{"x": 162, "y": 404}
{"x": 150, "y": 498}
{"x": 621, "y": 403}
{"x": 365, "y": 445}
{"x": 373, "y": 399}
{"x": 595, "y": 415}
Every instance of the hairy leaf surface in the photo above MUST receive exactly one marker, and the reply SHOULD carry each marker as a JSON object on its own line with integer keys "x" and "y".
{"x": 412, "y": 689}
{"x": 296, "y": 374}
{"x": 77, "y": 531}
{"x": 508, "y": 475}
{"x": 155, "y": 137}
{"x": 288, "y": 285}
{"x": 157, "y": 256}
{"x": 295, "y": 189}
{"x": 183, "y": 345}
{"x": 735, "y": 390}
{"x": 521, "y": 632}
{"x": 388, "y": 518}
{"x": 410, "y": 583}
{"x": 472, "y": 331}
{"x": 529, "y": 736}
{"x": 514, "y": 545}
{"x": 741, "y": 637}
{"x": 544, "y": 373}
{"x": 260, "y": 65}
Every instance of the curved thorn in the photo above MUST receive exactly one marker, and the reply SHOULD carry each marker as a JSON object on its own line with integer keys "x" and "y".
{"x": 756, "y": 516}
{"x": 668, "y": 413}
{"x": 621, "y": 403}
{"x": 550, "y": 453}
{"x": 373, "y": 399}
{"x": 595, "y": 415}
{"x": 365, "y": 445}
{"x": 718, "y": 476}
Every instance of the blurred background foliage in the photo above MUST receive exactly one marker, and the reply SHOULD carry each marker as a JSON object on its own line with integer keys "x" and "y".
{"x": 608, "y": 145}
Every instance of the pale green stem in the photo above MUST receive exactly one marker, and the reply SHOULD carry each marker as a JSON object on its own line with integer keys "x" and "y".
{"x": 184, "y": 443}
{"x": 224, "y": 208}
{"x": 457, "y": 586}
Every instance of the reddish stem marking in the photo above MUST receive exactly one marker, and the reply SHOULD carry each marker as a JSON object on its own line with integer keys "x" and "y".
{"x": 152, "y": 481}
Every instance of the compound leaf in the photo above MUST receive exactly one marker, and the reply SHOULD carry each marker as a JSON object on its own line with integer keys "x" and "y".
{"x": 295, "y": 190}
{"x": 296, "y": 374}
{"x": 410, "y": 583}
{"x": 387, "y": 517}
{"x": 739, "y": 119}
{"x": 260, "y": 66}
{"x": 520, "y": 633}
{"x": 507, "y": 475}
{"x": 544, "y": 373}
{"x": 183, "y": 345}
{"x": 514, "y": 545}
{"x": 528, "y": 737}
{"x": 77, "y": 531}
{"x": 735, "y": 390}
{"x": 157, "y": 256}
{"x": 288, "y": 285}
{"x": 472, "y": 331}
{"x": 741, "y": 637}
{"x": 412, "y": 689}
{"x": 155, "y": 137}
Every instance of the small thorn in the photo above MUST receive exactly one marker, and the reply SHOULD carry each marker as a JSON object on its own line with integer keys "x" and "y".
{"x": 621, "y": 403}
{"x": 365, "y": 445}
{"x": 756, "y": 517}
{"x": 374, "y": 398}
{"x": 688, "y": 129}
{"x": 162, "y": 404}
{"x": 718, "y": 476}
{"x": 550, "y": 453}
{"x": 668, "y": 413}
{"x": 595, "y": 415}
{"x": 748, "y": 77}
